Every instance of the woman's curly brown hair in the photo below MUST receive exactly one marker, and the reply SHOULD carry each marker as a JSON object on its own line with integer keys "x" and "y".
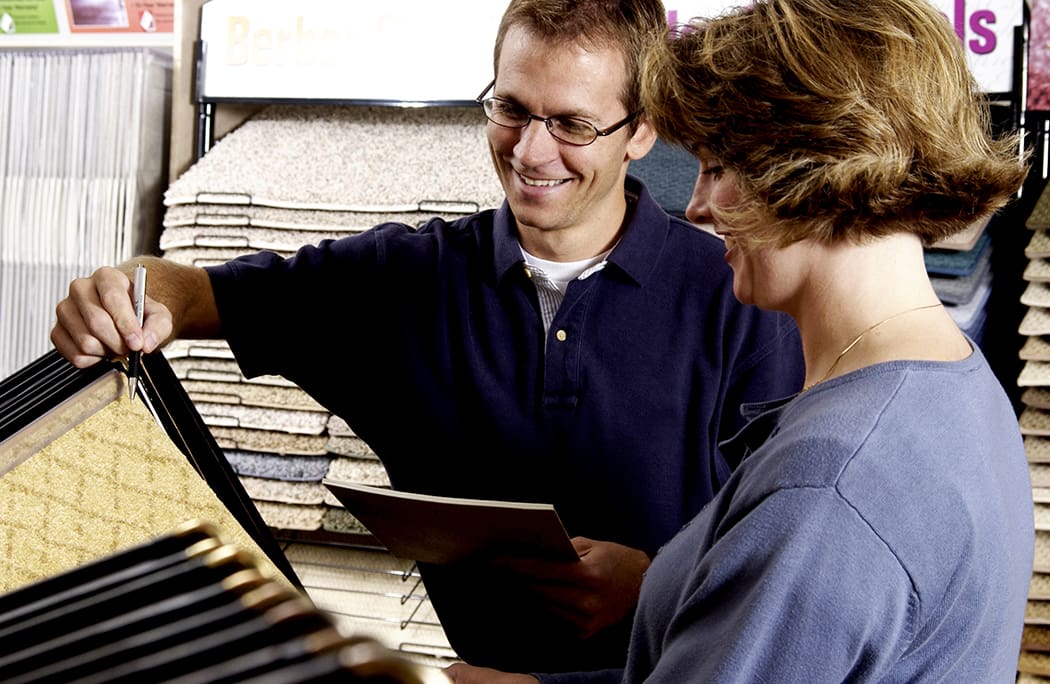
{"x": 843, "y": 119}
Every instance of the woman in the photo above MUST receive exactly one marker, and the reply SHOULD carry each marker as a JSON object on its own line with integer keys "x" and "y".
{"x": 879, "y": 526}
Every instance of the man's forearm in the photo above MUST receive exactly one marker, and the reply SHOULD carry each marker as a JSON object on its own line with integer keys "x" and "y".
{"x": 185, "y": 291}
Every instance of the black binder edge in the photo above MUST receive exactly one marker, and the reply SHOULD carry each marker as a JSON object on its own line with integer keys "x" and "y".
{"x": 176, "y": 412}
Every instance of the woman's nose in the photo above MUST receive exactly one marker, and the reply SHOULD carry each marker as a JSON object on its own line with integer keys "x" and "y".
{"x": 699, "y": 209}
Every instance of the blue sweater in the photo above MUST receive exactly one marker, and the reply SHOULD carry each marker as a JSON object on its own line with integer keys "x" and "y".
{"x": 879, "y": 529}
{"x": 443, "y": 370}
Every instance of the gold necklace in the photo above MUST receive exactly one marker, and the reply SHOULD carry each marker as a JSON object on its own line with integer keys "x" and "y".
{"x": 859, "y": 337}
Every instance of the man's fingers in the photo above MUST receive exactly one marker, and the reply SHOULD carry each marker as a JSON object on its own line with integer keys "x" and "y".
{"x": 113, "y": 290}
{"x": 67, "y": 348}
{"x": 157, "y": 325}
{"x": 97, "y": 320}
{"x": 84, "y": 326}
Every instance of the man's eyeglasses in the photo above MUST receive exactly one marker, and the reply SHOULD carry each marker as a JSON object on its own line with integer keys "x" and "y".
{"x": 566, "y": 129}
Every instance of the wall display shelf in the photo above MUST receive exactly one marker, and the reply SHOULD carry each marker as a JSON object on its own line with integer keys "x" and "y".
{"x": 82, "y": 169}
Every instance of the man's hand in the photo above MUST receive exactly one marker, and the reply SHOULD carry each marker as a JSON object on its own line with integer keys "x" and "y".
{"x": 97, "y": 320}
{"x": 596, "y": 592}
{"x": 461, "y": 673}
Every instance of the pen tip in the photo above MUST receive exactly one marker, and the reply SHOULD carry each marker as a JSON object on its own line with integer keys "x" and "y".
{"x": 132, "y": 386}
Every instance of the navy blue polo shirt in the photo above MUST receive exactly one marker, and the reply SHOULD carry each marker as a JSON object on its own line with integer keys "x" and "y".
{"x": 430, "y": 344}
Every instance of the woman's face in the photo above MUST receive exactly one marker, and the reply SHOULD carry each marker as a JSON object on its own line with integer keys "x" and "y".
{"x": 715, "y": 186}
{"x": 767, "y": 277}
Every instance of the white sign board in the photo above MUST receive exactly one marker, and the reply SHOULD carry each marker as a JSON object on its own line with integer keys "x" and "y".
{"x": 393, "y": 51}
{"x": 985, "y": 27}
{"x": 427, "y": 52}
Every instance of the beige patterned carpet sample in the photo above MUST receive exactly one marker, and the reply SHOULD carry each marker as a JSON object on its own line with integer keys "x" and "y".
{"x": 112, "y": 480}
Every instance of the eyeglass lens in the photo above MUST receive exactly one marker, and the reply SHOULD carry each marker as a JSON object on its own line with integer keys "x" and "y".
{"x": 565, "y": 129}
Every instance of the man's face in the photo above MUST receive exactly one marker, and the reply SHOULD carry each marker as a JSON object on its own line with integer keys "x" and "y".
{"x": 553, "y": 188}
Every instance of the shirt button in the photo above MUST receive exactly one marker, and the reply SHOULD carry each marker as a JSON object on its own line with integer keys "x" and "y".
{"x": 561, "y": 335}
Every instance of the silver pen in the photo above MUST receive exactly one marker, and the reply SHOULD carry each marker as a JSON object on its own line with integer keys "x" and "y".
{"x": 139, "y": 298}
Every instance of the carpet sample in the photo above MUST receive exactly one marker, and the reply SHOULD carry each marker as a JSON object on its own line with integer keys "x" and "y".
{"x": 1035, "y": 348}
{"x": 1035, "y": 422}
{"x": 1038, "y": 245}
{"x": 285, "y": 492}
{"x": 1036, "y": 294}
{"x": 965, "y": 239}
{"x": 1036, "y": 397}
{"x": 292, "y": 220}
{"x": 290, "y": 517}
{"x": 259, "y": 395}
{"x": 956, "y": 263}
{"x": 958, "y": 290}
{"x": 1041, "y": 561}
{"x": 339, "y": 158}
{"x": 1036, "y": 321}
{"x": 354, "y": 447}
{"x": 109, "y": 482}
{"x": 271, "y": 441}
{"x": 1042, "y": 511}
{"x": 268, "y": 419}
{"x": 279, "y": 466}
{"x": 359, "y": 470}
{"x": 1037, "y": 449}
{"x": 253, "y": 239}
{"x": 339, "y": 521}
{"x": 1040, "y": 216}
{"x": 1037, "y": 271}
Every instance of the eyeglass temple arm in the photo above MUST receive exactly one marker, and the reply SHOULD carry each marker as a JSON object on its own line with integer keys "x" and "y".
{"x": 482, "y": 93}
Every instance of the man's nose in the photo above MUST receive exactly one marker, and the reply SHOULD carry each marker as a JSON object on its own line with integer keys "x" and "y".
{"x": 535, "y": 141}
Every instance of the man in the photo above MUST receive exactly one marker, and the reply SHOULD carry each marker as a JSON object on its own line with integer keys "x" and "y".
{"x": 548, "y": 350}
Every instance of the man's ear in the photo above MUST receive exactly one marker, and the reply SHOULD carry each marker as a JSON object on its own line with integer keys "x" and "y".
{"x": 642, "y": 141}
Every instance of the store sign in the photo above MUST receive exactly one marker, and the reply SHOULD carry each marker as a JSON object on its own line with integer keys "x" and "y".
{"x": 985, "y": 28}
{"x": 421, "y": 51}
{"x": 394, "y": 51}
{"x": 74, "y": 17}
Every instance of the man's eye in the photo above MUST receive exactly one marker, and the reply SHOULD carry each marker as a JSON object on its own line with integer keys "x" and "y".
{"x": 574, "y": 127}
{"x": 508, "y": 109}
{"x": 714, "y": 171}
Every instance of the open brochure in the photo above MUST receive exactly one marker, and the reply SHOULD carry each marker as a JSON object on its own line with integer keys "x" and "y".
{"x": 438, "y": 529}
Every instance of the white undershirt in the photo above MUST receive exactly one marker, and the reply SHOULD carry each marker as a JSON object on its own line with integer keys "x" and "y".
{"x": 552, "y": 278}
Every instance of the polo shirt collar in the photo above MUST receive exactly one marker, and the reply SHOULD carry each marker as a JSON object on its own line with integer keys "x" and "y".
{"x": 636, "y": 254}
